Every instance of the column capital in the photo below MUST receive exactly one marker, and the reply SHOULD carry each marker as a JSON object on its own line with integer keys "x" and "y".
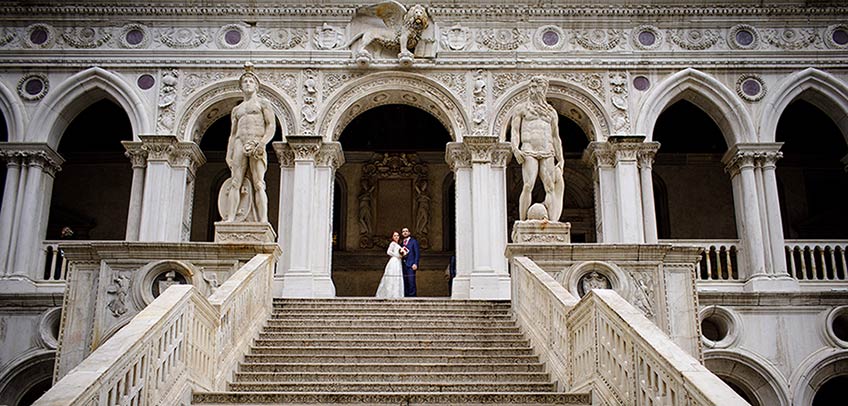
{"x": 331, "y": 155}
{"x": 32, "y": 153}
{"x": 619, "y": 148}
{"x": 168, "y": 148}
{"x": 305, "y": 148}
{"x": 745, "y": 155}
{"x": 457, "y": 156}
{"x": 478, "y": 149}
{"x": 137, "y": 155}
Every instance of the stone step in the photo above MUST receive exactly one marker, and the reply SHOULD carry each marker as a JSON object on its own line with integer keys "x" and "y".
{"x": 331, "y": 317}
{"x": 391, "y": 303}
{"x": 357, "y": 359}
{"x": 279, "y": 327}
{"x": 382, "y": 343}
{"x": 399, "y": 313}
{"x": 421, "y": 301}
{"x": 390, "y": 387}
{"x": 408, "y": 351}
{"x": 394, "y": 335}
{"x": 404, "y": 377}
{"x": 388, "y": 322}
{"x": 390, "y": 398}
{"x": 391, "y": 367}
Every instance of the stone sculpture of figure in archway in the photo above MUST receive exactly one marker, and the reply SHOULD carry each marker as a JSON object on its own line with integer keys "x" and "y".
{"x": 253, "y": 126}
{"x": 538, "y": 148}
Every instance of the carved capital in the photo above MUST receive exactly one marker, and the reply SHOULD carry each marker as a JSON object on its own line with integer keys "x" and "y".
{"x": 600, "y": 155}
{"x": 331, "y": 155}
{"x": 189, "y": 155}
{"x": 501, "y": 155}
{"x": 457, "y": 156}
{"x": 284, "y": 154}
{"x": 158, "y": 147}
{"x": 744, "y": 156}
{"x": 620, "y": 148}
{"x": 137, "y": 155}
{"x": 32, "y": 154}
{"x": 481, "y": 147}
{"x": 647, "y": 153}
{"x": 300, "y": 148}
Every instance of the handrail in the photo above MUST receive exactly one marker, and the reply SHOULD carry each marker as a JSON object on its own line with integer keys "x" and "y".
{"x": 719, "y": 261}
{"x": 181, "y": 341}
{"x": 612, "y": 348}
{"x": 817, "y": 260}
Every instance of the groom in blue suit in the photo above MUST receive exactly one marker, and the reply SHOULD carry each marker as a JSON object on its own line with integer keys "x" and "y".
{"x": 410, "y": 263}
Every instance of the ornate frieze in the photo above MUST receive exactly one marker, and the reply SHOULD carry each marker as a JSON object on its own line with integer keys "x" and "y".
{"x": 597, "y": 39}
{"x": 790, "y": 38}
{"x": 7, "y": 35}
{"x": 453, "y": 81}
{"x": 183, "y": 38}
{"x": 86, "y": 37}
{"x": 456, "y": 38}
{"x": 281, "y": 38}
{"x": 694, "y": 39}
{"x": 328, "y": 37}
{"x": 502, "y": 39}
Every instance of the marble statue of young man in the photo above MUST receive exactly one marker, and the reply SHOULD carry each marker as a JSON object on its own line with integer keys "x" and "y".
{"x": 253, "y": 126}
{"x": 537, "y": 147}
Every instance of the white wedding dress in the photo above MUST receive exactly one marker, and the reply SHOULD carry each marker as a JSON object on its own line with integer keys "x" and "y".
{"x": 391, "y": 286}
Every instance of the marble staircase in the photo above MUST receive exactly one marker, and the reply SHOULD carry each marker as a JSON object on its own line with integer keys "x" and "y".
{"x": 367, "y": 351}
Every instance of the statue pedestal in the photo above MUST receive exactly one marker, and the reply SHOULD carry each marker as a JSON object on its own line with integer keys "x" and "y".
{"x": 244, "y": 232}
{"x": 541, "y": 232}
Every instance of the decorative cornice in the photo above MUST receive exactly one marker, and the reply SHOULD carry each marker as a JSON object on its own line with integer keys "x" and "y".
{"x": 32, "y": 154}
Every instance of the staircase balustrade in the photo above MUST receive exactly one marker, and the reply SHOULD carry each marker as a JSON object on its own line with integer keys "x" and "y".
{"x": 604, "y": 344}
{"x": 817, "y": 260}
{"x": 718, "y": 261}
{"x": 181, "y": 342}
{"x": 55, "y": 265}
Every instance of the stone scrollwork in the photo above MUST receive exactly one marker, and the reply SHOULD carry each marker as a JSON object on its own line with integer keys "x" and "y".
{"x": 328, "y": 37}
{"x": 456, "y": 38}
{"x": 694, "y": 39}
{"x": 7, "y": 36}
{"x": 618, "y": 99}
{"x": 86, "y": 37}
{"x": 643, "y": 292}
{"x": 183, "y": 38}
{"x": 502, "y": 39}
{"x": 480, "y": 95}
{"x": 598, "y": 39}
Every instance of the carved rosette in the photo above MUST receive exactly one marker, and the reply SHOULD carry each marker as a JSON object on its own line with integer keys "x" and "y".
{"x": 32, "y": 154}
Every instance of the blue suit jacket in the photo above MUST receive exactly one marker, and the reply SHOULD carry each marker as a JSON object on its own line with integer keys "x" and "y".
{"x": 411, "y": 258}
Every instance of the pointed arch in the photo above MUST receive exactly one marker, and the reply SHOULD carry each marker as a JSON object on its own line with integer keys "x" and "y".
{"x": 377, "y": 89}
{"x": 79, "y": 91}
{"x": 13, "y": 112}
{"x": 579, "y": 105}
{"x": 821, "y": 89}
{"x": 217, "y": 100}
{"x": 706, "y": 92}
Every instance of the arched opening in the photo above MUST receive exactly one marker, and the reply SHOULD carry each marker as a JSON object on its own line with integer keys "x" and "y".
{"x": 90, "y": 198}
{"x": 395, "y": 170}
{"x": 747, "y": 377}
{"x": 28, "y": 381}
{"x": 578, "y": 200}
{"x": 741, "y": 390}
{"x": 698, "y": 200}
{"x": 832, "y": 392}
{"x": 811, "y": 176}
{"x": 211, "y": 176}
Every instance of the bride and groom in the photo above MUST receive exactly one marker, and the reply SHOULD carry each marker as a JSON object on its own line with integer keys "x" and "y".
{"x": 399, "y": 276}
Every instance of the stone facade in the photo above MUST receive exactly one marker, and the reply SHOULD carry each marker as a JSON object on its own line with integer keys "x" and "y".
{"x": 613, "y": 70}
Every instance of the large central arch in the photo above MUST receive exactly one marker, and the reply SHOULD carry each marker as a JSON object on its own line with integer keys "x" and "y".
{"x": 392, "y": 88}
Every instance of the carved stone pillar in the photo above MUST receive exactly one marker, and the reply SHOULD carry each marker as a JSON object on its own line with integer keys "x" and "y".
{"x": 758, "y": 216}
{"x": 308, "y": 168}
{"x": 26, "y": 206}
{"x": 479, "y": 164}
{"x": 649, "y": 211}
{"x": 138, "y": 157}
{"x": 168, "y": 181}
{"x": 619, "y": 188}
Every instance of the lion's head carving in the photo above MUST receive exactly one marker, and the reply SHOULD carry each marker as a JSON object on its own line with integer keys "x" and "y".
{"x": 415, "y": 21}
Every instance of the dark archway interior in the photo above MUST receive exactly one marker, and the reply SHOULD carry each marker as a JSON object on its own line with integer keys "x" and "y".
{"x": 394, "y": 128}
{"x": 577, "y": 210}
{"x": 832, "y": 393}
{"x": 212, "y": 175}
{"x": 813, "y": 185}
{"x": 698, "y": 200}
{"x": 391, "y": 201}
{"x": 741, "y": 392}
{"x": 91, "y": 193}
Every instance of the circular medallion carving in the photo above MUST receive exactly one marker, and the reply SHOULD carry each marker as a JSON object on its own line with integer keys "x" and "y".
{"x": 750, "y": 88}
{"x": 39, "y": 36}
{"x": 134, "y": 36}
{"x": 232, "y": 36}
{"x": 592, "y": 280}
{"x": 743, "y": 36}
{"x": 647, "y": 37}
{"x": 48, "y": 327}
{"x": 836, "y": 326}
{"x": 641, "y": 83}
{"x": 836, "y": 36}
{"x": 549, "y": 37}
{"x": 146, "y": 81}
{"x": 33, "y": 86}
{"x": 719, "y": 326}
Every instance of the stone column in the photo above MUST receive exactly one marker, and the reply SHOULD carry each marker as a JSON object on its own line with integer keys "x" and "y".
{"x": 167, "y": 181}
{"x": 739, "y": 162}
{"x": 459, "y": 161}
{"x": 766, "y": 161}
{"x": 308, "y": 168}
{"x": 487, "y": 159}
{"x": 32, "y": 167}
{"x": 623, "y": 201}
{"x": 138, "y": 157}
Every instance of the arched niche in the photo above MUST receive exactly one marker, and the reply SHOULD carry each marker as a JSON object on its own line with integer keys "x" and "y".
{"x": 758, "y": 381}
{"x": 384, "y": 88}
{"x": 809, "y": 377}
{"x": 75, "y": 94}
{"x": 570, "y": 101}
{"x": 722, "y": 105}
{"x": 217, "y": 100}
{"x": 27, "y": 377}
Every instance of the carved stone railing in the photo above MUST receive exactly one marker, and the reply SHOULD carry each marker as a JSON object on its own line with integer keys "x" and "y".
{"x": 718, "y": 261}
{"x": 179, "y": 343}
{"x": 55, "y": 265}
{"x": 604, "y": 344}
{"x": 808, "y": 260}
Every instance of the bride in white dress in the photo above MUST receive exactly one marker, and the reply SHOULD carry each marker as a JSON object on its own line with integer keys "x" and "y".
{"x": 391, "y": 286}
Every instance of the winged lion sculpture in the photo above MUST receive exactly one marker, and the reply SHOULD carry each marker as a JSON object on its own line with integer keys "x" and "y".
{"x": 390, "y": 25}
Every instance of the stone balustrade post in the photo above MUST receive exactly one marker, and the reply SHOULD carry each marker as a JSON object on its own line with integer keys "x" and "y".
{"x": 168, "y": 182}
{"x": 479, "y": 164}
{"x": 308, "y": 168}
{"x": 625, "y": 212}
{"x": 26, "y": 206}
